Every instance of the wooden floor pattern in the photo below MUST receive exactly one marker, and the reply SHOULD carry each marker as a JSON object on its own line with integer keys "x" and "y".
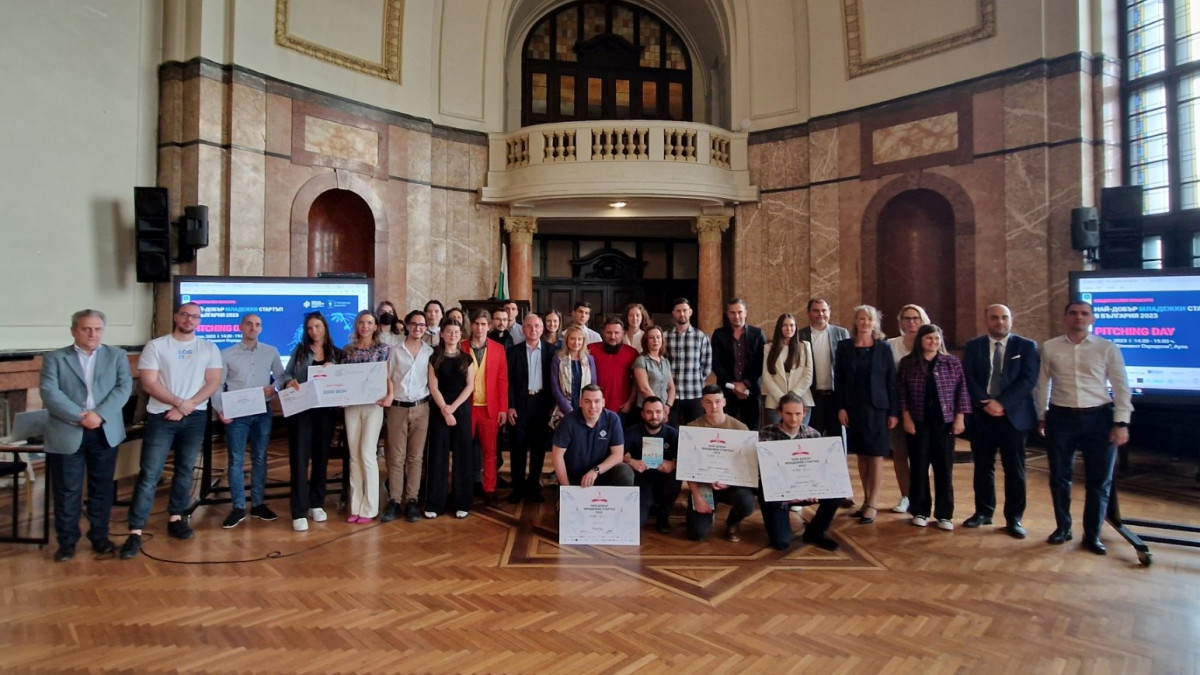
{"x": 494, "y": 593}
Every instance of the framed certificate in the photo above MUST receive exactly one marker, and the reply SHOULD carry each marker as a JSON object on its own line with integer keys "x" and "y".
{"x": 804, "y": 468}
{"x": 718, "y": 456}
{"x": 599, "y": 515}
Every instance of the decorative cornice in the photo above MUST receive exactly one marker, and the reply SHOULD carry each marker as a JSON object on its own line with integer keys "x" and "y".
{"x": 389, "y": 69}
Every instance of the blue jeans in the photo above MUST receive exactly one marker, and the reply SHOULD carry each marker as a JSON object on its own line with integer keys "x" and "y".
{"x": 96, "y": 461}
{"x": 256, "y": 429}
{"x": 161, "y": 435}
{"x": 1087, "y": 432}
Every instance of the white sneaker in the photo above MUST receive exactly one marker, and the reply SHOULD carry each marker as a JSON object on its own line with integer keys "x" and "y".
{"x": 946, "y": 524}
{"x": 796, "y": 508}
{"x": 300, "y": 524}
{"x": 901, "y": 506}
{"x": 460, "y": 514}
{"x": 430, "y": 515}
{"x": 318, "y": 515}
{"x": 920, "y": 521}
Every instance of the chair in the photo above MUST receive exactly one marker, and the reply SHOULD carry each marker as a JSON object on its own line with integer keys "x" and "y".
{"x": 13, "y": 469}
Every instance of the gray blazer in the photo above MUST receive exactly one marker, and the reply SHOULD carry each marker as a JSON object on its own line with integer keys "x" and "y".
{"x": 64, "y": 394}
{"x": 836, "y": 335}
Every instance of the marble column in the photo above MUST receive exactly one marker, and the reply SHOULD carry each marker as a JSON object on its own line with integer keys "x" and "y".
{"x": 708, "y": 310}
{"x": 520, "y": 231}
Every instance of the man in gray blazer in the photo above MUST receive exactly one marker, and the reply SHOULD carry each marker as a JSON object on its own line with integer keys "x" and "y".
{"x": 824, "y": 336}
{"x": 84, "y": 387}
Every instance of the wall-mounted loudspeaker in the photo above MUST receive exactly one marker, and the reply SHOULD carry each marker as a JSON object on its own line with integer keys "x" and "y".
{"x": 1121, "y": 227}
{"x": 152, "y": 229}
{"x": 1085, "y": 228}
{"x": 193, "y": 232}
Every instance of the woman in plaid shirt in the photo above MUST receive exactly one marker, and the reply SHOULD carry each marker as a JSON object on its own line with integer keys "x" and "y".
{"x": 933, "y": 404}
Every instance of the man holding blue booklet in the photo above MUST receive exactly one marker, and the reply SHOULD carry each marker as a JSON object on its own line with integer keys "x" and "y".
{"x": 650, "y": 450}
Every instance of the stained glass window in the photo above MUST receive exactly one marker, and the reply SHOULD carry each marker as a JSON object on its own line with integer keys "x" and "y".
{"x": 568, "y": 30}
{"x": 651, "y": 43}
{"x": 539, "y": 92}
{"x": 566, "y": 96}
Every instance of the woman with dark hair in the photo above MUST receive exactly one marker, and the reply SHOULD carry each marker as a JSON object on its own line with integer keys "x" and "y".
{"x": 934, "y": 402}
{"x": 637, "y": 320}
{"x": 570, "y": 371}
{"x": 788, "y": 368}
{"x": 364, "y": 422}
{"x": 910, "y": 318}
{"x": 553, "y": 328}
{"x": 652, "y": 370}
{"x": 868, "y": 405}
{"x": 457, "y": 315}
{"x": 434, "y": 311}
{"x": 391, "y": 331}
{"x": 310, "y": 433}
{"x": 451, "y": 384}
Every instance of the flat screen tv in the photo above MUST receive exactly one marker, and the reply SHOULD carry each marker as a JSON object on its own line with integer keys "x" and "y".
{"x": 1154, "y": 317}
{"x": 281, "y": 302}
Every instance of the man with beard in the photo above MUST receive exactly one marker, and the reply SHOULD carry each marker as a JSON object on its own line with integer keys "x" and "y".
{"x": 658, "y": 485}
{"x": 691, "y": 362}
{"x": 499, "y": 331}
{"x": 614, "y": 368}
{"x": 179, "y": 372}
{"x": 738, "y": 362}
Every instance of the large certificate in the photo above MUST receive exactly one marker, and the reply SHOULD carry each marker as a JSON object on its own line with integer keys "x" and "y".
{"x": 717, "y": 456}
{"x": 243, "y": 402}
{"x": 298, "y": 400}
{"x": 599, "y": 515}
{"x": 349, "y": 383}
{"x": 804, "y": 468}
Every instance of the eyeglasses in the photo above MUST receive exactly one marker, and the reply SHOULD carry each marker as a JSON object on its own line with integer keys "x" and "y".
{"x": 417, "y": 325}
{"x": 910, "y": 318}
{"x": 185, "y": 315}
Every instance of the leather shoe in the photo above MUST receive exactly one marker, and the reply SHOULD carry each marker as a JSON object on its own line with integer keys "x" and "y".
{"x": 846, "y": 503}
{"x": 390, "y": 513}
{"x": 1059, "y": 537}
{"x": 515, "y": 496}
{"x": 1094, "y": 545}
{"x": 977, "y": 520}
{"x": 822, "y": 541}
{"x": 131, "y": 547}
{"x": 64, "y": 553}
{"x": 1015, "y": 529}
{"x": 104, "y": 546}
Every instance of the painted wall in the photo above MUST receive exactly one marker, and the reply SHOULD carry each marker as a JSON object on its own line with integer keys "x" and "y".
{"x": 79, "y": 106}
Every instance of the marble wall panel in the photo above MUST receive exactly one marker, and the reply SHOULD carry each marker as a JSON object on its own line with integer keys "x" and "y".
{"x": 823, "y": 155}
{"x": 419, "y": 157}
{"x": 849, "y": 223}
{"x": 247, "y": 212}
{"x": 249, "y": 112}
{"x": 849, "y": 153}
{"x": 213, "y": 119}
{"x": 212, "y": 174}
{"x": 400, "y": 252}
{"x": 458, "y": 165}
{"x": 279, "y": 124}
{"x": 779, "y": 164}
{"x": 1070, "y": 177}
{"x": 170, "y": 111}
{"x": 439, "y": 159}
{"x": 987, "y": 113}
{"x": 1026, "y": 208}
{"x": 478, "y": 166}
{"x": 825, "y": 241}
{"x": 771, "y": 255}
{"x": 397, "y": 165}
{"x": 1068, "y": 107}
{"x": 1025, "y": 113}
{"x": 918, "y": 138}
{"x": 190, "y": 117}
{"x": 326, "y": 137}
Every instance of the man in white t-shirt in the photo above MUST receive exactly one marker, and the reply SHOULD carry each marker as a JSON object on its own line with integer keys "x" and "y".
{"x": 179, "y": 372}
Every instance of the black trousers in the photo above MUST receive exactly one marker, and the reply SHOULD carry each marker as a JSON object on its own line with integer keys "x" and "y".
{"x": 530, "y": 440}
{"x": 658, "y": 491}
{"x": 95, "y": 460}
{"x": 933, "y": 445}
{"x": 824, "y": 416}
{"x": 310, "y": 433}
{"x": 685, "y": 410}
{"x": 446, "y": 442}
{"x": 777, "y": 520}
{"x": 990, "y": 435}
{"x": 747, "y": 410}
{"x": 741, "y": 501}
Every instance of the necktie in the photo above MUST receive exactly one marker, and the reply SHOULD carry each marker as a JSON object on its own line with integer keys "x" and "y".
{"x": 996, "y": 383}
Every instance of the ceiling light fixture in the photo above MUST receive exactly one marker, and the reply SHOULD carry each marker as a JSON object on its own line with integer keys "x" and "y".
{"x": 617, "y": 205}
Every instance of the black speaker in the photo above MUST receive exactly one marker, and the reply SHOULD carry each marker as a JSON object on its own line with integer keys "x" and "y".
{"x": 1121, "y": 227}
{"x": 1121, "y": 203}
{"x": 1085, "y": 228}
{"x": 193, "y": 232}
{"x": 152, "y": 229}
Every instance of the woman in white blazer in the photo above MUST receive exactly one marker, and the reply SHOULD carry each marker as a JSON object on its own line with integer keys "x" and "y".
{"x": 788, "y": 367}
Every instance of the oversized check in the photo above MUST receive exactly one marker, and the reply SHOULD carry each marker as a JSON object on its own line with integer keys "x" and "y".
{"x": 349, "y": 383}
{"x": 599, "y": 515}
{"x": 717, "y": 456}
{"x": 804, "y": 468}
{"x": 298, "y": 400}
{"x": 243, "y": 402}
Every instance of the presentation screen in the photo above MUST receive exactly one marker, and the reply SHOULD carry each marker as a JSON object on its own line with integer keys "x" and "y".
{"x": 281, "y": 302}
{"x": 1154, "y": 317}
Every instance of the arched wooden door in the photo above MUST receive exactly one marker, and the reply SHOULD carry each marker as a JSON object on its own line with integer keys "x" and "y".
{"x": 916, "y": 259}
{"x": 341, "y": 234}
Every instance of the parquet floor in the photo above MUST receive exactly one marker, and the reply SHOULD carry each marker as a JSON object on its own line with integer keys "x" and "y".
{"x": 495, "y": 594}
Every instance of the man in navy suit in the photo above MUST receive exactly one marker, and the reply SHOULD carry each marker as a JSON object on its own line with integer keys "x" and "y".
{"x": 530, "y": 401}
{"x": 1001, "y": 370}
{"x": 84, "y": 387}
{"x": 738, "y": 362}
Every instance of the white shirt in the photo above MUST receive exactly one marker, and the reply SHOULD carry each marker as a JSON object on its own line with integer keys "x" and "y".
{"x": 410, "y": 374}
{"x": 88, "y": 363}
{"x": 899, "y": 351}
{"x": 180, "y": 367}
{"x": 1078, "y": 376}
{"x": 822, "y": 361}
{"x": 533, "y": 357}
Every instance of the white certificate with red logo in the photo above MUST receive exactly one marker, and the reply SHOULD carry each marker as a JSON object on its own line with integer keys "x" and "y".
{"x": 599, "y": 516}
{"x": 804, "y": 468}
{"x": 724, "y": 456}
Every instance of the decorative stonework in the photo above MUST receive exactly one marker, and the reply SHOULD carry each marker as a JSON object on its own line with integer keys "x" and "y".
{"x": 857, "y": 64}
{"x": 710, "y": 228}
{"x": 388, "y": 69}
{"x": 520, "y": 229}
{"x": 918, "y": 138}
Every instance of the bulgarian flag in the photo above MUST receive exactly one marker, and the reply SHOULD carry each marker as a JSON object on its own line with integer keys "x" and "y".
{"x": 501, "y": 292}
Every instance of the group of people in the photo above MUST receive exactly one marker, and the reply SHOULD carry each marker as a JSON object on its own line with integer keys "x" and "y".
{"x": 594, "y": 400}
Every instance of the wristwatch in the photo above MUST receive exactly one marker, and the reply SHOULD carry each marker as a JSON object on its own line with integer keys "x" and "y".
{"x": 596, "y": 469}
{"x": 1120, "y": 425}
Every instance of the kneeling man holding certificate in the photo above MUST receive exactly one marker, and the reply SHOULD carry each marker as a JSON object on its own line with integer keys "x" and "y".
{"x": 705, "y": 496}
{"x": 589, "y": 444}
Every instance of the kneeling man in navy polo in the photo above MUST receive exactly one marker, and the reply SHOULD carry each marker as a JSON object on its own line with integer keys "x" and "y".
{"x": 589, "y": 444}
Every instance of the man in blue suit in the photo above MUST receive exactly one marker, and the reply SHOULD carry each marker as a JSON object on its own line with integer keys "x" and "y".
{"x": 84, "y": 387}
{"x": 1001, "y": 370}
